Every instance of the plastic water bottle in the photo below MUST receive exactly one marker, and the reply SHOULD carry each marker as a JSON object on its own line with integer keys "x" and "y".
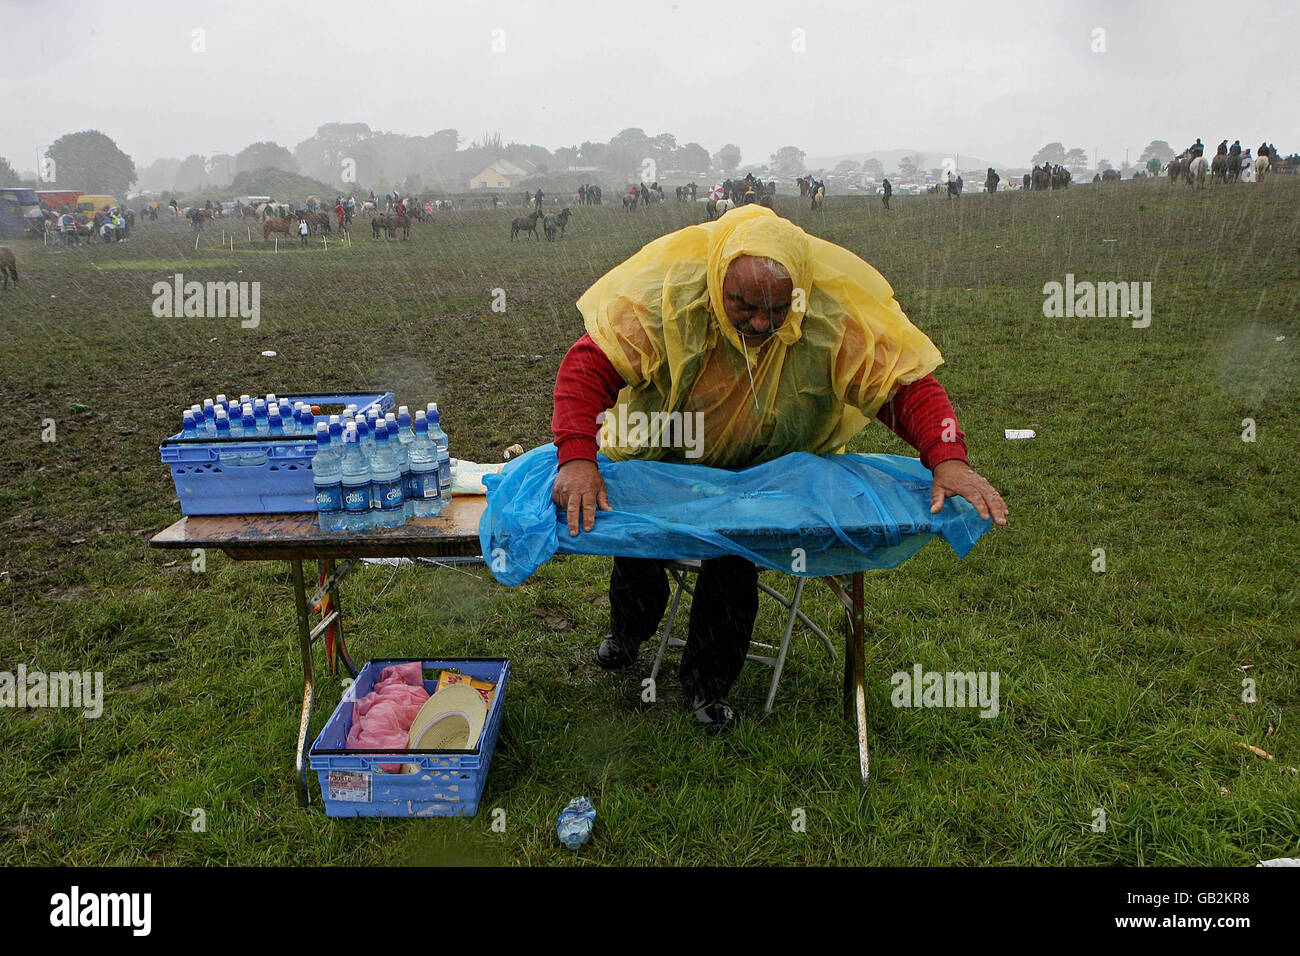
{"x": 188, "y": 428}
{"x": 327, "y": 476}
{"x": 221, "y": 424}
{"x": 439, "y": 438}
{"x": 275, "y": 423}
{"x": 364, "y": 438}
{"x": 356, "y": 485}
{"x": 250, "y": 423}
{"x": 422, "y": 456}
{"x": 263, "y": 424}
{"x": 386, "y": 481}
{"x": 236, "y": 422}
{"x": 575, "y": 823}
{"x": 401, "y": 450}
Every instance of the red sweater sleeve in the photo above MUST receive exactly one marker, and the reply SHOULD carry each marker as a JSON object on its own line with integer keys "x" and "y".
{"x": 586, "y": 385}
{"x": 922, "y": 416}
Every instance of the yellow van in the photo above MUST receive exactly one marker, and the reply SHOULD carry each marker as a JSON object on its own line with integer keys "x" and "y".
{"x": 92, "y": 204}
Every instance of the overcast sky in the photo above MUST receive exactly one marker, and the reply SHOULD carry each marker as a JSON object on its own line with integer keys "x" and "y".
{"x": 941, "y": 77}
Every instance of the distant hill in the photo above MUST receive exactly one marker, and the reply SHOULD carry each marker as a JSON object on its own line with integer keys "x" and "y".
{"x": 889, "y": 159}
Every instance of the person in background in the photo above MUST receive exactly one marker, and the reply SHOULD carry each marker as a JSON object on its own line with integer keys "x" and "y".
{"x": 302, "y": 232}
{"x": 888, "y": 188}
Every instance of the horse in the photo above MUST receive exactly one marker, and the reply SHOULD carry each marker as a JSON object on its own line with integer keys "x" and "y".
{"x": 630, "y": 202}
{"x": 1219, "y": 168}
{"x": 1175, "y": 167}
{"x": 8, "y": 267}
{"x": 1197, "y": 170}
{"x": 399, "y": 220}
{"x": 1234, "y": 167}
{"x": 724, "y": 205}
{"x": 288, "y": 225}
{"x": 526, "y": 224}
{"x": 318, "y": 220}
{"x": 1262, "y": 164}
{"x": 378, "y": 222}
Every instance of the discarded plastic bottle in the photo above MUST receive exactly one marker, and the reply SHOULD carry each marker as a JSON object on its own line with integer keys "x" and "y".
{"x": 575, "y": 823}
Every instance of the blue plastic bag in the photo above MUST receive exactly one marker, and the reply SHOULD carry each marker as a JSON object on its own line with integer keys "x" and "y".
{"x": 810, "y": 515}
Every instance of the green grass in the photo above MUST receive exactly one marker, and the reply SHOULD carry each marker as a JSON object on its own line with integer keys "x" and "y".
{"x": 1119, "y": 690}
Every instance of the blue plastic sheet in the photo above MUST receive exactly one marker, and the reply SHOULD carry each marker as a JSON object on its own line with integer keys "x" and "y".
{"x": 810, "y": 515}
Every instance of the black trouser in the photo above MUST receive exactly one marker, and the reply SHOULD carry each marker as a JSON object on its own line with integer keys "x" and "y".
{"x": 722, "y": 616}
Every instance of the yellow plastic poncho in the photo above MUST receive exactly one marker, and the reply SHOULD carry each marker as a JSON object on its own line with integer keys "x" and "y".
{"x": 817, "y": 381}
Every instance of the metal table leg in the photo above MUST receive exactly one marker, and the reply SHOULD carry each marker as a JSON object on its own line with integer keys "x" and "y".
{"x": 855, "y": 697}
{"x": 309, "y": 681}
{"x": 857, "y": 641}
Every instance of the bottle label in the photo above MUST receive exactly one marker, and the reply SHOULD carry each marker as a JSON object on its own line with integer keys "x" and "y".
{"x": 329, "y": 499}
{"x": 356, "y": 498}
{"x": 444, "y": 473}
{"x": 388, "y": 494}
{"x": 424, "y": 486}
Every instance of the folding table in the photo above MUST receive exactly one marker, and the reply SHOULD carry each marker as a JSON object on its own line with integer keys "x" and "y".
{"x": 453, "y": 534}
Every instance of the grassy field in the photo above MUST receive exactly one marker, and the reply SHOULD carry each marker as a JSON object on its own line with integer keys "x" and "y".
{"x": 1120, "y": 690}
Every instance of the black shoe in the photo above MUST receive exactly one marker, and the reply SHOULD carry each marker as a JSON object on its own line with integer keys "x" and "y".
{"x": 716, "y": 715}
{"x": 614, "y": 654}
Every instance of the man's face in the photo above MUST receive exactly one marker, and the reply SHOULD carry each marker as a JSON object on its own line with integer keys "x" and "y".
{"x": 757, "y": 298}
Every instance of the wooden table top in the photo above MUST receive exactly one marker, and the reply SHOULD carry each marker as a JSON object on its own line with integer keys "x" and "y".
{"x": 265, "y": 537}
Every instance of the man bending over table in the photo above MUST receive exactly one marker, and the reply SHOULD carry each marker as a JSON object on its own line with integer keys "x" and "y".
{"x": 773, "y": 341}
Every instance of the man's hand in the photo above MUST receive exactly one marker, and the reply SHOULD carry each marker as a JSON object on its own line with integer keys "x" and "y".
{"x": 579, "y": 490}
{"x": 956, "y": 478}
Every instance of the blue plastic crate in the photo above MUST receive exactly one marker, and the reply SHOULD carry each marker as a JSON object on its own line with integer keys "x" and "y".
{"x": 258, "y": 475}
{"x": 449, "y": 783}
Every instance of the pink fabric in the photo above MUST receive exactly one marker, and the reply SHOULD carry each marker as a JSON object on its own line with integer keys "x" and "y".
{"x": 382, "y": 719}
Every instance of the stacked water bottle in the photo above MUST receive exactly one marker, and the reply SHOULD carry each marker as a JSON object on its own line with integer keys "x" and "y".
{"x": 269, "y": 417}
{"x": 377, "y": 472}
